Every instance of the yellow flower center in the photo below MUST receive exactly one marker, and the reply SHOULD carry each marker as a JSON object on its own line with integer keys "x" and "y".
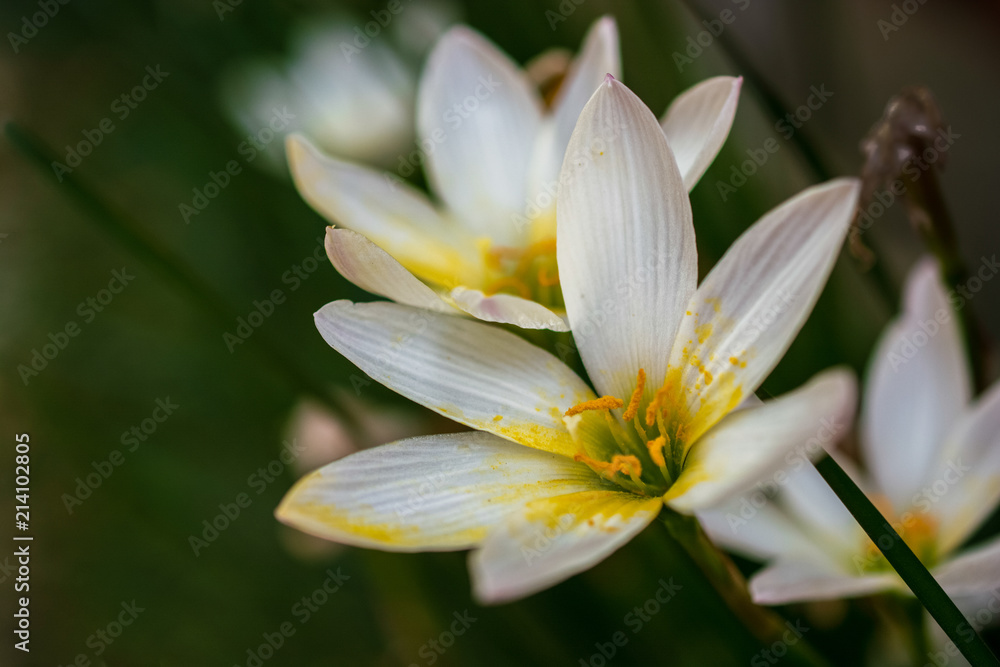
{"x": 529, "y": 272}
{"x": 646, "y": 448}
{"x": 918, "y": 529}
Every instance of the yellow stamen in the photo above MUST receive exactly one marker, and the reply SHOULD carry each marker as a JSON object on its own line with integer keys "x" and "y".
{"x": 626, "y": 464}
{"x": 654, "y": 406}
{"x": 599, "y": 467}
{"x": 633, "y": 404}
{"x": 602, "y": 403}
{"x": 656, "y": 450}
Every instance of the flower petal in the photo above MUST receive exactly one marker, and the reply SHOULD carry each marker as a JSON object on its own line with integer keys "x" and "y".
{"x": 800, "y": 581}
{"x": 369, "y": 267}
{"x": 917, "y": 387}
{"x": 754, "y": 527}
{"x": 481, "y": 115}
{"x": 626, "y": 248}
{"x": 969, "y": 466}
{"x": 599, "y": 56}
{"x": 507, "y": 309}
{"x": 477, "y": 374}
{"x": 438, "y": 492}
{"x": 553, "y": 538}
{"x": 973, "y": 571}
{"x": 395, "y": 216}
{"x": 737, "y": 451}
{"x": 698, "y": 122}
{"x": 754, "y": 301}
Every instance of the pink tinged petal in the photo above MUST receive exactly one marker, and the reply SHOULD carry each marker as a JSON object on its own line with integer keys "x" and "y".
{"x": 394, "y": 215}
{"x": 507, "y": 309}
{"x": 740, "y": 449}
{"x": 551, "y": 539}
{"x": 698, "y": 122}
{"x": 972, "y": 571}
{"x": 963, "y": 489}
{"x": 746, "y": 313}
{"x": 475, "y": 373}
{"x": 626, "y": 251}
{"x": 481, "y": 115}
{"x": 802, "y": 581}
{"x": 440, "y": 492}
{"x": 917, "y": 387}
{"x": 373, "y": 269}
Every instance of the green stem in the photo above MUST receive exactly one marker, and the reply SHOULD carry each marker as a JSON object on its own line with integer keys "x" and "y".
{"x": 907, "y": 565}
{"x": 149, "y": 249}
{"x": 767, "y": 626}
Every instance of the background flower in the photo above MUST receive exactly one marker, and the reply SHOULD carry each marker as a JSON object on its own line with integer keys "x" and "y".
{"x": 932, "y": 457}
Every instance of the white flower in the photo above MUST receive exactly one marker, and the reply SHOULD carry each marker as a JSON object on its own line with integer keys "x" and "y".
{"x": 933, "y": 461}
{"x": 491, "y": 151}
{"x": 559, "y": 476}
{"x": 357, "y": 103}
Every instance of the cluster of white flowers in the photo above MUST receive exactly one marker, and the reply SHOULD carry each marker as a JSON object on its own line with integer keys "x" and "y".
{"x": 571, "y": 212}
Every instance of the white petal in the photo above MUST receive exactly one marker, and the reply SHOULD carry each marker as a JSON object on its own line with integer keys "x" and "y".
{"x": 369, "y": 267}
{"x": 754, "y": 527}
{"x": 599, "y": 56}
{"x": 965, "y": 483}
{"x": 475, "y": 373}
{"x": 734, "y": 454}
{"x": 626, "y": 250}
{"x": 698, "y": 122}
{"x": 507, "y": 309}
{"x": 751, "y": 305}
{"x": 437, "y": 492}
{"x": 481, "y": 114}
{"x": 973, "y": 571}
{"x": 398, "y": 218}
{"x": 801, "y": 581}
{"x": 917, "y": 387}
{"x": 554, "y": 538}
{"x": 811, "y": 503}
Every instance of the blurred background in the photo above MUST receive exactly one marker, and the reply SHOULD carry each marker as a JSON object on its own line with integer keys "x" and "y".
{"x": 126, "y": 267}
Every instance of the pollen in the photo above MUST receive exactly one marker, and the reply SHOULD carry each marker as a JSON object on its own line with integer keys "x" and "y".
{"x": 633, "y": 403}
{"x": 602, "y": 403}
{"x": 656, "y": 450}
{"x": 498, "y": 418}
{"x": 626, "y": 464}
{"x": 654, "y": 406}
{"x": 597, "y": 466}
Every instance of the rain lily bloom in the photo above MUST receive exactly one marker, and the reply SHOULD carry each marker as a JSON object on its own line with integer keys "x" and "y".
{"x": 932, "y": 455}
{"x": 558, "y": 476}
{"x": 492, "y": 150}
{"x": 357, "y": 103}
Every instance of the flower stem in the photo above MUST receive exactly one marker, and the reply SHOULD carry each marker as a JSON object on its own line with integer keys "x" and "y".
{"x": 907, "y": 565}
{"x": 149, "y": 249}
{"x": 767, "y": 626}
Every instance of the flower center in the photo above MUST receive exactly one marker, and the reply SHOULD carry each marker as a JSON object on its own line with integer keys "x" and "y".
{"x": 642, "y": 450}
{"x": 919, "y": 530}
{"x": 528, "y": 272}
